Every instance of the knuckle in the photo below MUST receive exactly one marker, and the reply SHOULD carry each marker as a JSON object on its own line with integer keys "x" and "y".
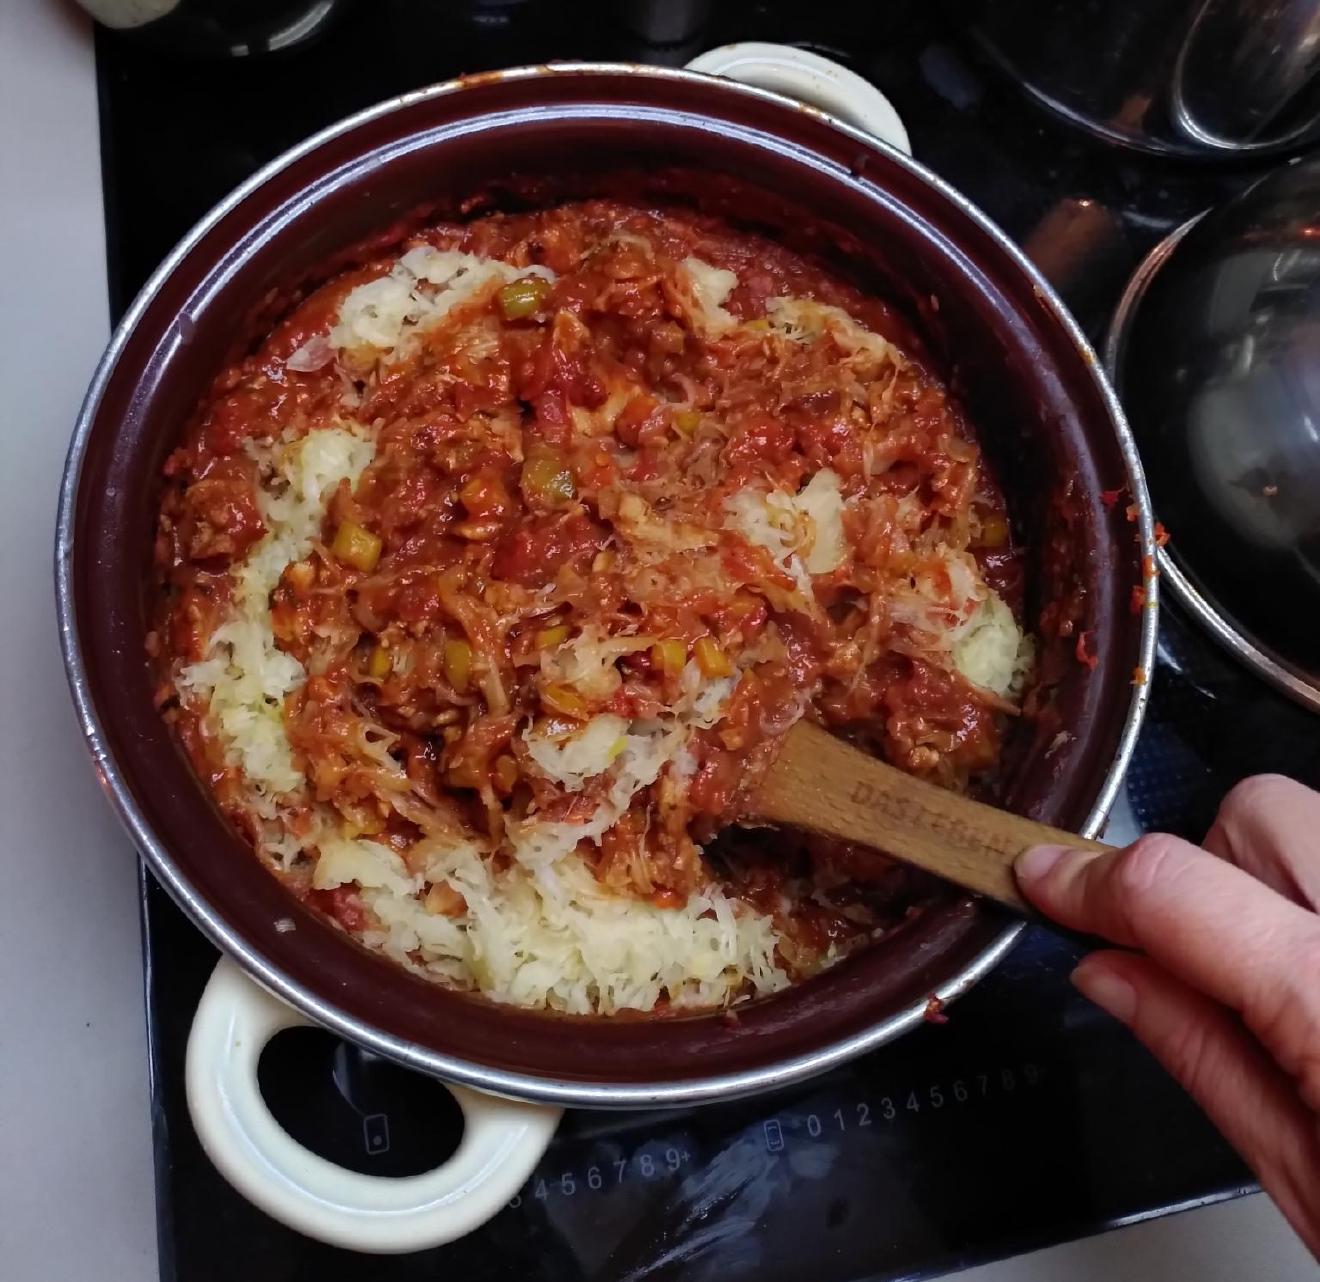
{"x": 1283, "y": 1007}
{"x": 1257, "y": 794}
{"x": 1308, "y": 968}
{"x": 1308, "y": 1078}
{"x": 1189, "y": 1056}
{"x": 1146, "y": 862}
{"x": 1304, "y": 986}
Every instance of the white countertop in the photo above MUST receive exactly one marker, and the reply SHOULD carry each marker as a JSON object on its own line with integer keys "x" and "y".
{"x": 76, "y": 1200}
{"x": 75, "y": 1157}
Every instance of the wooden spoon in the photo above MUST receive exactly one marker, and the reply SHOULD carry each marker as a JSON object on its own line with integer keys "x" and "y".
{"x": 822, "y": 784}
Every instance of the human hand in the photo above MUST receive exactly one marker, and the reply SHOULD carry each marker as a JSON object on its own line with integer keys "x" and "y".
{"x": 1224, "y": 985}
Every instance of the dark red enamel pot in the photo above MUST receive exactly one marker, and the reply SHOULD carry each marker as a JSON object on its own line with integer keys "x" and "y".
{"x": 1031, "y": 384}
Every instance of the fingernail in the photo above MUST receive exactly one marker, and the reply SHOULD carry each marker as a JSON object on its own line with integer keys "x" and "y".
{"x": 1036, "y": 862}
{"x": 1107, "y": 989}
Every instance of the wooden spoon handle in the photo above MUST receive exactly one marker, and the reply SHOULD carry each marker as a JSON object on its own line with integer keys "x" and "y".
{"x": 822, "y": 784}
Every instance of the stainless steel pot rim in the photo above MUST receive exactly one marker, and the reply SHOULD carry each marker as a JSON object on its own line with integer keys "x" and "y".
{"x": 694, "y": 1090}
{"x": 1286, "y": 677}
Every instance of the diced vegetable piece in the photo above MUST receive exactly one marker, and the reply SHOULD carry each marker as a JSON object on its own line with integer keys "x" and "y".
{"x": 504, "y": 774}
{"x": 668, "y": 338}
{"x": 300, "y": 576}
{"x": 480, "y": 529}
{"x": 686, "y": 421}
{"x": 994, "y": 531}
{"x": 547, "y": 478}
{"x": 524, "y": 297}
{"x": 630, "y": 420}
{"x": 602, "y": 561}
{"x": 379, "y": 663}
{"x": 356, "y": 547}
{"x": 458, "y": 664}
{"x": 361, "y": 819}
{"x": 710, "y": 658}
{"x": 462, "y": 775}
{"x": 564, "y": 700}
{"x": 669, "y": 656}
{"x": 459, "y": 456}
{"x": 552, "y": 636}
{"x": 443, "y": 900}
{"x": 482, "y": 494}
{"x": 472, "y": 490}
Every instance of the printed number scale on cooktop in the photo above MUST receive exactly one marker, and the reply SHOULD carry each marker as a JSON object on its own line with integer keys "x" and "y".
{"x": 1028, "y": 1118}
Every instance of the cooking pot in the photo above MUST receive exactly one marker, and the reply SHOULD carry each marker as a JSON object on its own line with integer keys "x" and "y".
{"x": 1048, "y": 421}
{"x": 1195, "y": 78}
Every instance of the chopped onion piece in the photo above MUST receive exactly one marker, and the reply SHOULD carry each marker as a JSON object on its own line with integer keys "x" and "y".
{"x": 316, "y": 353}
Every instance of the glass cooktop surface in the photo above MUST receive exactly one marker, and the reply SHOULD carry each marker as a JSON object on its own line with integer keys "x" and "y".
{"x": 1026, "y": 1119}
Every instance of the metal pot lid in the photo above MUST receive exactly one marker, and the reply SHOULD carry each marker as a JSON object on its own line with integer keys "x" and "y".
{"x": 1215, "y": 352}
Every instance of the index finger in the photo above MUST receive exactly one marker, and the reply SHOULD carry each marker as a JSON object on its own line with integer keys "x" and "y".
{"x": 1209, "y": 923}
{"x": 1269, "y": 825}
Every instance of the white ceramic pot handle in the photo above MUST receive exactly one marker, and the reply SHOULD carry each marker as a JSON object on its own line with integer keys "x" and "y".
{"x": 812, "y": 79}
{"x": 502, "y": 1141}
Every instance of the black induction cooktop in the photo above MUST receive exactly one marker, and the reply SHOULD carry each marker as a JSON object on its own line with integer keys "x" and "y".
{"x": 1029, "y": 1117}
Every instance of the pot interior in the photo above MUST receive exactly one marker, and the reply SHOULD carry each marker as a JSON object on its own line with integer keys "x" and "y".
{"x": 1034, "y": 397}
